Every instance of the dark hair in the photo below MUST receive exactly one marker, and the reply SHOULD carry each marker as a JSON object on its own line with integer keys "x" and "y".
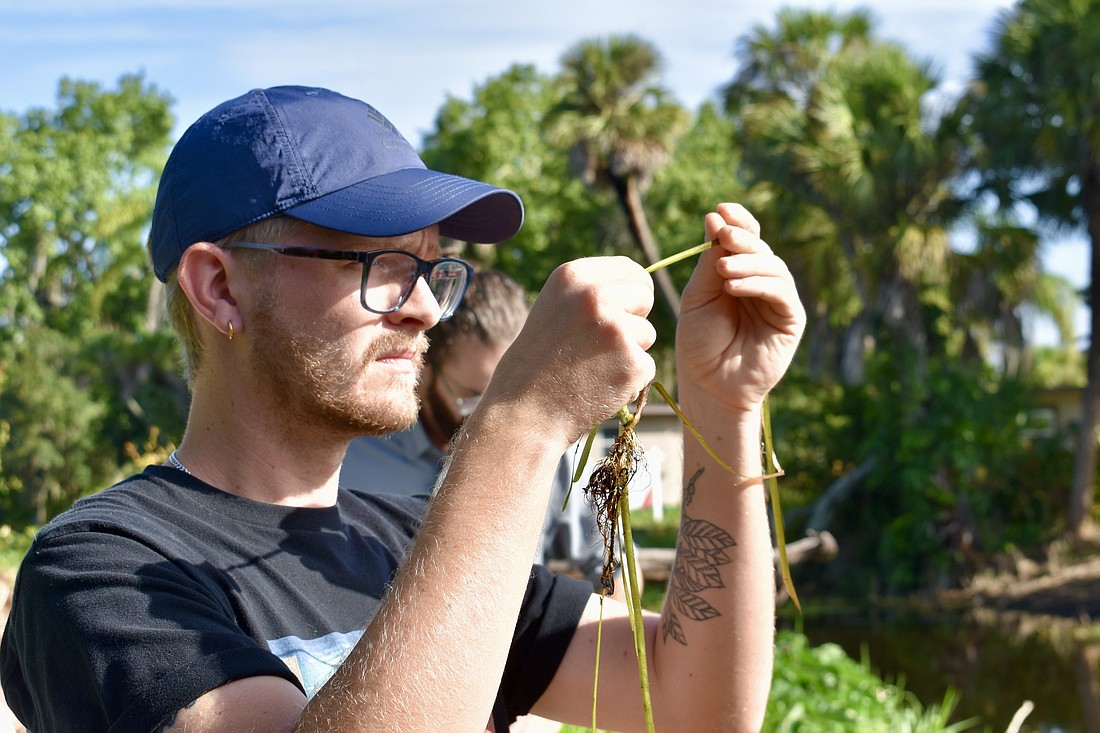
{"x": 493, "y": 311}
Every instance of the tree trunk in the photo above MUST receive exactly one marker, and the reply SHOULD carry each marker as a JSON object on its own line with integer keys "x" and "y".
{"x": 825, "y": 508}
{"x": 853, "y": 348}
{"x": 626, "y": 188}
{"x": 1078, "y": 517}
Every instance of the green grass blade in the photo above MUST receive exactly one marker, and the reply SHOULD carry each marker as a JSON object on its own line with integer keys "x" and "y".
{"x": 581, "y": 463}
{"x": 673, "y": 259}
{"x": 771, "y": 469}
{"x": 596, "y": 673}
{"x": 635, "y": 606}
{"x": 687, "y": 424}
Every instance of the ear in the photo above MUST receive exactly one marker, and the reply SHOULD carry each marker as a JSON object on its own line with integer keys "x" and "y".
{"x": 206, "y": 276}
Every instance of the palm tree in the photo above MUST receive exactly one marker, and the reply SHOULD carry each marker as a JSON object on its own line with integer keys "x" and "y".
{"x": 621, "y": 128}
{"x": 1035, "y": 108}
{"x": 835, "y": 129}
{"x": 991, "y": 282}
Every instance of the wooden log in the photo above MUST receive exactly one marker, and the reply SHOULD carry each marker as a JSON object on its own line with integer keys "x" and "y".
{"x": 656, "y": 562}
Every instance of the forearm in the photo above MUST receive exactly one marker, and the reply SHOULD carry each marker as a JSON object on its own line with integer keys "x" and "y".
{"x": 433, "y": 655}
{"x": 715, "y": 637}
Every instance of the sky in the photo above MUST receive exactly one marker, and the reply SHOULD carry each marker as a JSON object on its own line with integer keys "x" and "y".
{"x": 407, "y": 56}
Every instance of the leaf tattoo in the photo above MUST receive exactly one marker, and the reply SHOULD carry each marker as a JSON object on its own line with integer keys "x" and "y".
{"x": 689, "y": 490}
{"x": 701, "y": 553}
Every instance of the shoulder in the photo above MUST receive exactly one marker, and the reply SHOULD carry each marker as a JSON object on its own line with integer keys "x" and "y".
{"x": 129, "y": 504}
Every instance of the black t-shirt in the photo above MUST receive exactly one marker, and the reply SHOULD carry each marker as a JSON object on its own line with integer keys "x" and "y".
{"x": 143, "y": 597}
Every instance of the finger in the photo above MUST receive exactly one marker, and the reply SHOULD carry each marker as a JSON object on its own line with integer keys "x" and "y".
{"x": 734, "y": 215}
{"x": 748, "y": 265}
{"x": 619, "y": 284}
{"x": 780, "y": 295}
{"x": 632, "y": 297}
{"x": 741, "y": 241}
{"x": 639, "y": 330}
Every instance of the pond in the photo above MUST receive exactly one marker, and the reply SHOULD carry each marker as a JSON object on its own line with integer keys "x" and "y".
{"x": 993, "y": 668}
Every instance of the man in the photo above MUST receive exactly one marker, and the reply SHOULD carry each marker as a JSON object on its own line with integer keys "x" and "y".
{"x": 463, "y": 352}
{"x": 298, "y": 233}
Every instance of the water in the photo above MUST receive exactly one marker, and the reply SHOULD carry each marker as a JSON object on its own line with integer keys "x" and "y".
{"x": 993, "y": 669}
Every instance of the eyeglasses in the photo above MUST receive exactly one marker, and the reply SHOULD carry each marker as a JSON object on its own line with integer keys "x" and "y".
{"x": 389, "y": 275}
{"x": 463, "y": 405}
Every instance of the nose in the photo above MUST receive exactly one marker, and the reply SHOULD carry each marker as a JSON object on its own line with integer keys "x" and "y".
{"x": 421, "y": 307}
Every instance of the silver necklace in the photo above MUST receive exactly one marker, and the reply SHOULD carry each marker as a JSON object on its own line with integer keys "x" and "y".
{"x": 176, "y": 463}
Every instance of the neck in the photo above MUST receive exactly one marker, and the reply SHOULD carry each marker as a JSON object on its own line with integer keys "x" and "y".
{"x": 237, "y": 443}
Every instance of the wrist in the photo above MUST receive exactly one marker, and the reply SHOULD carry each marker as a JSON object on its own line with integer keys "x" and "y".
{"x": 708, "y": 414}
{"x": 516, "y": 430}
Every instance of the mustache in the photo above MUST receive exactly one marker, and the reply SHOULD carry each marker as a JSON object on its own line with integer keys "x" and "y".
{"x": 398, "y": 343}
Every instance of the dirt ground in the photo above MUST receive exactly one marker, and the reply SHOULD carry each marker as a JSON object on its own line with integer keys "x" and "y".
{"x": 1056, "y": 587}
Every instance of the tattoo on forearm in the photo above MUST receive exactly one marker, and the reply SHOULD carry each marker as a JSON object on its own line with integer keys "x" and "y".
{"x": 689, "y": 490}
{"x": 700, "y": 554}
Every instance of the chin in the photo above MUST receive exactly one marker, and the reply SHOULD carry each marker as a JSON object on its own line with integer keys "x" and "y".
{"x": 385, "y": 419}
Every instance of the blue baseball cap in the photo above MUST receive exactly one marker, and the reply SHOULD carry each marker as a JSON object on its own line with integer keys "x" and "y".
{"x": 320, "y": 157}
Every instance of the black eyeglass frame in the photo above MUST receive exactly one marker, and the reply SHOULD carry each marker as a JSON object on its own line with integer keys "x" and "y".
{"x": 424, "y": 269}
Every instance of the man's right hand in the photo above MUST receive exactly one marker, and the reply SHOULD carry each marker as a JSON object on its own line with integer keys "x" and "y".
{"x": 582, "y": 352}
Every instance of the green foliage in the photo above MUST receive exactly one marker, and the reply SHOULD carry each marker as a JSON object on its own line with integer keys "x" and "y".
{"x": 497, "y": 136}
{"x": 501, "y": 135}
{"x": 649, "y": 532}
{"x": 13, "y": 546}
{"x": 821, "y": 689}
{"x": 701, "y": 173}
{"x": 1056, "y": 366}
{"x": 858, "y": 176}
{"x": 956, "y": 472}
{"x": 612, "y": 112}
{"x": 78, "y": 350}
{"x": 1032, "y": 109}
{"x": 1036, "y": 139}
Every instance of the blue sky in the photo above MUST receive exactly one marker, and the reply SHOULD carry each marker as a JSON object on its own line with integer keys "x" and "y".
{"x": 405, "y": 57}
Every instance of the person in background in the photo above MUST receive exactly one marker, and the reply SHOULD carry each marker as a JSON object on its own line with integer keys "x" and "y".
{"x": 238, "y": 587}
{"x": 463, "y": 353}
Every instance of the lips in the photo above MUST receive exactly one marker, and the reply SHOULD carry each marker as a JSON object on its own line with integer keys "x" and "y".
{"x": 397, "y": 349}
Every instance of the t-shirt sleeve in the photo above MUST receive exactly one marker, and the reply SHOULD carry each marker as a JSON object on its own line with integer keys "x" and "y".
{"x": 552, "y": 609}
{"x": 111, "y": 636}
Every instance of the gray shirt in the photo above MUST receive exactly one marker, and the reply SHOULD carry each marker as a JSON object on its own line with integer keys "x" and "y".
{"x": 408, "y": 462}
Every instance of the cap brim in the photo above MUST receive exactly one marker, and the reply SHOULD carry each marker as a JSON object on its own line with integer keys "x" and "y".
{"x": 415, "y": 198}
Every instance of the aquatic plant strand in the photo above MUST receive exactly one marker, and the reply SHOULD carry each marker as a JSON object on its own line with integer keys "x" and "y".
{"x": 635, "y": 609}
{"x": 673, "y": 259}
{"x": 771, "y": 473}
{"x": 608, "y": 491}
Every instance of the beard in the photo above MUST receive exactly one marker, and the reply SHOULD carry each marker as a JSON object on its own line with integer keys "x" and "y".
{"x": 440, "y": 413}
{"x": 319, "y": 380}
